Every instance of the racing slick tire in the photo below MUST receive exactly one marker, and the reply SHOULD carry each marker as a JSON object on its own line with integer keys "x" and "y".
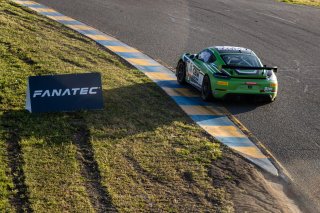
{"x": 206, "y": 91}
{"x": 181, "y": 72}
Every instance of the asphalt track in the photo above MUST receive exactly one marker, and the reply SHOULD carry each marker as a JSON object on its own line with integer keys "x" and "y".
{"x": 284, "y": 35}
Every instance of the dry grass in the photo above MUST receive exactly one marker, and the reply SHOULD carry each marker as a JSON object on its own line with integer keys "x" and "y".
{"x": 304, "y": 2}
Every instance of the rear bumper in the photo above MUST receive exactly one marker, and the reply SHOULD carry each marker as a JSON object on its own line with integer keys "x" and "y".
{"x": 231, "y": 94}
{"x": 238, "y": 87}
{"x": 250, "y": 97}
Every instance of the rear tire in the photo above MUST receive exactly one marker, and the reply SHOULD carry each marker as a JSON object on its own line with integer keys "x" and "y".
{"x": 206, "y": 91}
{"x": 181, "y": 72}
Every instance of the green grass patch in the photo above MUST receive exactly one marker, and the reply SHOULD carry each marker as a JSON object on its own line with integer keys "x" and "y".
{"x": 303, "y": 2}
{"x": 6, "y": 184}
{"x": 150, "y": 156}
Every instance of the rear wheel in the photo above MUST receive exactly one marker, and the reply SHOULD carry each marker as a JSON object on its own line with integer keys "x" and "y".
{"x": 206, "y": 91}
{"x": 181, "y": 72}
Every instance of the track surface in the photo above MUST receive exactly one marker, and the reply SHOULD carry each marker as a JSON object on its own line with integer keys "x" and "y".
{"x": 284, "y": 35}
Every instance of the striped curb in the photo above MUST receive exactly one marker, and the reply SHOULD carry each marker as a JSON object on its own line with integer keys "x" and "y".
{"x": 211, "y": 117}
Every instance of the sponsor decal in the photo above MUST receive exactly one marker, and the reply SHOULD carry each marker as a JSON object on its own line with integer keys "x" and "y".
{"x": 65, "y": 92}
{"x": 268, "y": 89}
{"x": 230, "y": 48}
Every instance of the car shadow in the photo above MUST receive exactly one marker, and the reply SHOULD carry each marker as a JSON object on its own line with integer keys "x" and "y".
{"x": 235, "y": 104}
{"x": 242, "y": 104}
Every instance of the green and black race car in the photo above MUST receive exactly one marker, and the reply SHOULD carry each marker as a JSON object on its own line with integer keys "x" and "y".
{"x": 221, "y": 71}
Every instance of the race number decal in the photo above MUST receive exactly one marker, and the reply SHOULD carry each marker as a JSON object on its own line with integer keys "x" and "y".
{"x": 194, "y": 76}
{"x": 189, "y": 69}
{"x": 196, "y": 72}
{"x": 200, "y": 79}
{"x": 197, "y": 77}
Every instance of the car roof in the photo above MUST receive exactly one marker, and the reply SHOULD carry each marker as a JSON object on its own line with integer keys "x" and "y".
{"x": 232, "y": 49}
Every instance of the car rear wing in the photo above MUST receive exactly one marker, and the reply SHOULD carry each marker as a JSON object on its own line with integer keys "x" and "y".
{"x": 275, "y": 69}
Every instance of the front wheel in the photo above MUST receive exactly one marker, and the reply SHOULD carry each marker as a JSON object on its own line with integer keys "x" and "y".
{"x": 206, "y": 91}
{"x": 181, "y": 72}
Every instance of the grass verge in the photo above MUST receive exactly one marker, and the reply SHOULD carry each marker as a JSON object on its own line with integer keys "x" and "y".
{"x": 6, "y": 183}
{"x": 304, "y": 2}
{"x": 141, "y": 153}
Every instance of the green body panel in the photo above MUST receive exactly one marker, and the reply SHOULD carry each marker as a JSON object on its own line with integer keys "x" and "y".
{"x": 237, "y": 83}
{"x": 238, "y": 86}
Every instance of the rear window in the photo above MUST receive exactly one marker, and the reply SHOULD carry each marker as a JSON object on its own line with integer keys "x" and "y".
{"x": 245, "y": 60}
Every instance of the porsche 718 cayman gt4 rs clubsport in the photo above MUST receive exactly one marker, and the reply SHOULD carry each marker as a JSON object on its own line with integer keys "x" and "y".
{"x": 221, "y": 71}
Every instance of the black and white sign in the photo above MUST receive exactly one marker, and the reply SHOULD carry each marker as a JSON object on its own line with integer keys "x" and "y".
{"x": 62, "y": 93}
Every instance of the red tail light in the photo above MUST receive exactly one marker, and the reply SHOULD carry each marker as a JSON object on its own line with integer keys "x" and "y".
{"x": 251, "y": 83}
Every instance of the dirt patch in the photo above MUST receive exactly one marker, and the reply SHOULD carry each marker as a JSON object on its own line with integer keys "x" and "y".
{"x": 249, "y": 188}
